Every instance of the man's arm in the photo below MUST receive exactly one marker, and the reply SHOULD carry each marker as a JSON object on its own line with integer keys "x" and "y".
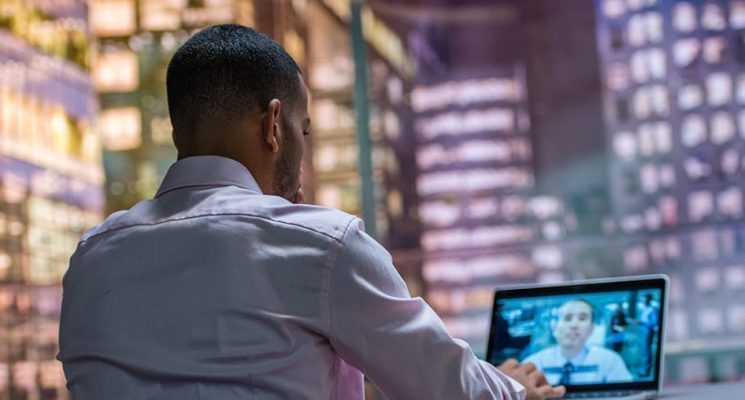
{"x": 398, "y": 341}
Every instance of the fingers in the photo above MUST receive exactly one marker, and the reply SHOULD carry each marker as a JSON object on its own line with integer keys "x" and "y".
{"x": 538, "y": 378}
{"x": 529, "y": 368}
{"x": 510, "y": 364}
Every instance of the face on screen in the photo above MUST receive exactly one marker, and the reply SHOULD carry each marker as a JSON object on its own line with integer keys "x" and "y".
{"x": 574, "y": 325}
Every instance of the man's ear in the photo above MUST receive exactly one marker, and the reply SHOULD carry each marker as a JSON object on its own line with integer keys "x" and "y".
{"x": 270, "y": 125}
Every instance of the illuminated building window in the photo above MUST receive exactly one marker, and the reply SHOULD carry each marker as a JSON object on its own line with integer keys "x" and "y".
{"x": 737, "y": 14}
{"x": 690, "y": 96}
{"x": 112, "y": 17}
{"x": 663, "y": 137}
{"x": 696, "y": 169}
{"x": 730, "y": 162}
{"x": 686, "y": 52}
{"x": 659, "y": 100}
{"x": 713, "y": 17}
{"x": 715, "y": 49}
{"x": 729, "y": 202}
{"x": 116, "y": 71}
{"x": 614, "y": 8}
{"x": 636, "y": 30}
{"x": 722, "y": 127}
{"x": 646, "y": 139}
{"x": 668, "y": 210}
{"x": 639, "y": 67}
{"x": 625, "y": 146}
{"x": 121, "y": 128}
{"x": 719, "y": 89}
{"x": 618, "y": 76}
{"x": 657, "y": 63}
{"x": 684, "y": 17}
{"x": 161, "y": 15}
{"x": 648, "y": 178}
{"x": 641, "y": 103}
{"x": 653, "y": 27}
{"x": 700, "y": 205}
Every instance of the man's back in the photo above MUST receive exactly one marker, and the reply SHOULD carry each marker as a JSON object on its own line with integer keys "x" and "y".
{"x": 215, "y": 291}
{"x": 219, "y": 285}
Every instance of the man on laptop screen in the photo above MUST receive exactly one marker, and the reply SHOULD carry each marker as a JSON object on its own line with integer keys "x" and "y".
{"x": 595, "y": 337}
{"x": 571, "y": 360}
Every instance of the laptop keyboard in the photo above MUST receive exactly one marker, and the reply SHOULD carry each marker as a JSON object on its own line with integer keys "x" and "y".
{"x": 592, "y": 395}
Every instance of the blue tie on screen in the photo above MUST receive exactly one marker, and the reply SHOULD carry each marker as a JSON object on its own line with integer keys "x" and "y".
{"x": 568, "y": 369}
{"x": 566, "y": 374}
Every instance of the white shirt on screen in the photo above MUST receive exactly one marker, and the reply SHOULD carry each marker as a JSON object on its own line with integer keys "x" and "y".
{"x": 593, "y": 365}
{"x": 212, "y": 290}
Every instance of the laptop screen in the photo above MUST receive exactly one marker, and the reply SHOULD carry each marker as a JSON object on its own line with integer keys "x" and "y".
{"x": 587, "y": 335}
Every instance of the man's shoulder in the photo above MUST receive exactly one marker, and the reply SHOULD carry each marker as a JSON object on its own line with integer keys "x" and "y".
{"x": 322, "y": 220}
{"x": 232, "y": 203}
{"x": 541, "y": 356}
{"x": 603, "y": 353}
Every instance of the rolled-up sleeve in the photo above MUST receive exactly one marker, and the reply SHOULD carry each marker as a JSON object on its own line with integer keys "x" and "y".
{"x": 399, "y": 342}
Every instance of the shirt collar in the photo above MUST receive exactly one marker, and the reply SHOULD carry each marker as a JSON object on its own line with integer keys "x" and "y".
{"x": 207, "y": 171}
{"x": 579, "y": 359}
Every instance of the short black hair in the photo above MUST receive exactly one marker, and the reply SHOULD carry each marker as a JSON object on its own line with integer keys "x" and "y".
{"x": 223, "y": 72}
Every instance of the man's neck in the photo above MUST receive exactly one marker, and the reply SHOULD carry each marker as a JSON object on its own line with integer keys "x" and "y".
{"x": 571, "y": 353}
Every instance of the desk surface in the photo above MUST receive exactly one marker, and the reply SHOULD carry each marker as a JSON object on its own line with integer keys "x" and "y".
{"x": 731, "y": 390}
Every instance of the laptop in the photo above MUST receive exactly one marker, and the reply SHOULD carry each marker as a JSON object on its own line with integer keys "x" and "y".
{"x": 602, "y": 339}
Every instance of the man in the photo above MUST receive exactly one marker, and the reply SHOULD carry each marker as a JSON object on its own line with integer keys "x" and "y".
{"x": 571, "y": 361}
{"x": 222, "y": 288}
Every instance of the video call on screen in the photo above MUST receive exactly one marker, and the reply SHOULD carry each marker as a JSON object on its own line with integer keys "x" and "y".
{"x": 595, "y": 338}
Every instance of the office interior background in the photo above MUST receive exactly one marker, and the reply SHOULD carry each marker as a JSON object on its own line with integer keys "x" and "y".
{"x": 509, "y": 141}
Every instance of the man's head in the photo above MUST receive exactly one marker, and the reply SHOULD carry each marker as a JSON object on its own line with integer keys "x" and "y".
{"x": 648, "y": 299}
{"x": 234, "y": 92}
{"x": 573, "y": 325}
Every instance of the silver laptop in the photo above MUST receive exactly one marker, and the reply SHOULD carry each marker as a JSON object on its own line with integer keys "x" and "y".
{"x": 602, "y": 339}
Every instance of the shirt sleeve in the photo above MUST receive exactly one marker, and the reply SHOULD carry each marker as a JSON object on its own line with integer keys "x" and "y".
{"x": 399, "y": 342}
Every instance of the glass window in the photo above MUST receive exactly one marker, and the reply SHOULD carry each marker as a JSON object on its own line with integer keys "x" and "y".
{"x": 116, "y": 70}
{"x": 693, "y": 130}
{"x": 112, "y": 17}
{"x": 659, "y": 99}
{"x": 690, "y": 97}
{"x": 696, "y": 169}
{"x": 686, "y": 52}
{"x": 625, "y": 145}
{"x": 719, "y": 88}
{"x": 730, "y": 162}
{"x": 642, "y": 103}
{"x": 121, "y": 128}
{"x": 663, "y": 137}
{"x": 639, "y": 67}
{"x": 614, "y": 8}
{"x": 653, "y": 27}
{"x": 737, "y": 14}
{"x": 700, "y": 205}
{"x": 715, "y": 50}
{"x": 648, "y": 178}
{"x": 646, "y": 139}
{"x": 637, "y": 30}
{"x": 657, "y": 63}
{"x": 713, "y": 17}
{"x": 722, "y": 127}
{"x": 684, "y": 17}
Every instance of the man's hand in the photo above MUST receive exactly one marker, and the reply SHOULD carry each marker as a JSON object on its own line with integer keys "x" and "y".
{"x": 536, "y": 386}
